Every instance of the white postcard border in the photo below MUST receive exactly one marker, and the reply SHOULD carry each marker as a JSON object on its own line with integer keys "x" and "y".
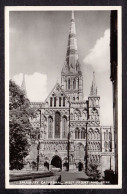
{"x": 63, "y": 8}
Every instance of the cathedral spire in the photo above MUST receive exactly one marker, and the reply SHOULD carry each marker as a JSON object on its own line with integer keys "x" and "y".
{"x": 72, "y": 60}
{"x": 93, "y": 91}
{"x": 71, "y": 75}
{"x": 23, "y": 85}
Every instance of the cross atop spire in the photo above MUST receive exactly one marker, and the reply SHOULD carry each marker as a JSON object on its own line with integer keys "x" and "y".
{"x": 23, "y": 85}
{"x": 93, "y": 91}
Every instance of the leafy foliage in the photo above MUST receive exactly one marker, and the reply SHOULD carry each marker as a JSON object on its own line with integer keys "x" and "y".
{"x": 93, "y": 172}
{"x": 20, "y": 128}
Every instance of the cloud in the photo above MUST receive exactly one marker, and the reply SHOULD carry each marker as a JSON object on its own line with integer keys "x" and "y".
{"x": 99, "y": 55}
{"x": 18, "y": 79}
{"x": 36, "y": 85}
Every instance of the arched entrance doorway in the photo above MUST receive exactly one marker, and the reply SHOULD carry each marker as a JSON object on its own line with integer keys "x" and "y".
{"x": 56, "y": 162}
{"x": 80, "y": 166}
{"x": 46, "y": 165}
{"x": 65, "y": 166}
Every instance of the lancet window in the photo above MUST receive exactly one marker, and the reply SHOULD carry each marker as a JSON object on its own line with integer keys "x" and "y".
{"x": 83, "y": 133}
{"x": 59, "y": 101}
{"x": 54, "y": 101}
{"x": 57, "y": 124}
{"x": 74, "y": 84}
{"x": 64, "y": 134}
{"x": 51, "y": 101}
{"x": 63, "y": 101}
{"x": 77, "y": 133}
{"x": 50, "y": 127}
{"x": 69, "y": 84}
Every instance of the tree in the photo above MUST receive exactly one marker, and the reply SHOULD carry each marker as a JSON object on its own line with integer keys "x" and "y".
{"x": 20, "y": 128}
{"x": 93, "y": 172}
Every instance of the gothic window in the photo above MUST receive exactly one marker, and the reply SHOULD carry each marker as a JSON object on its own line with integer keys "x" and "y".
{"x": 90, "y": 133}
{"x": 59, "y": 101}
{"x": 51, "y": 101}
{"x": 84, "y": 113}
{"x": 63, "y": 101}
{"x": 78, "y": 83}
{"x": 64, "y": 134}
{"x": 50, "y": 127}
{"x": 94, "y": 113}
{"x": 104, "y": 136}
{"x": 57, "y": 125}
{"x": 110, "y": 145}
{"x": 69, "y": 84}
{"x": 105, "y": 145}
{"x": 77, "y": 133}
{"x": 54, "y": 101}
{"x": 66, "y": 84}
{"x": 97, "y": 135}
{"x": 83, "y": 133}
{"x": 74, "y": 84}
{"x": 110, "y": 136}
{"x": 98, "y": 146}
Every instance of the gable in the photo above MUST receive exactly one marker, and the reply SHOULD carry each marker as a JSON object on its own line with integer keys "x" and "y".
{"x": 57, "y": 98}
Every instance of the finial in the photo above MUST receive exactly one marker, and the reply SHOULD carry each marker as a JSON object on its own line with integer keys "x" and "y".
{"x": 93, "y": 87}
{"x": 72, "y": 15}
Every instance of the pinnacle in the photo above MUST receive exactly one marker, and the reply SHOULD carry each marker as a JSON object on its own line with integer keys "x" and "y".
{"x": 23, "y": 85}
{"x": 93, "y": 91}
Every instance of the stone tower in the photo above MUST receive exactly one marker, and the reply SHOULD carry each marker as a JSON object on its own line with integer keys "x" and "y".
{"x": 94, "y": 130}
{"x": 71, "y": 75}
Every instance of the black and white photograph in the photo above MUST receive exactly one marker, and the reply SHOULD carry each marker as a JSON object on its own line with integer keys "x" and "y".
{"x": 63, "y": 97}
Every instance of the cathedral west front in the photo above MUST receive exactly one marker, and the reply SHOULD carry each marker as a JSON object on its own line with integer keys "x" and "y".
{"x": 71, "y": 136}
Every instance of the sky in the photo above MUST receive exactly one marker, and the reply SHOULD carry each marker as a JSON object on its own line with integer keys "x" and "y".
{"x": 37, "y": 48}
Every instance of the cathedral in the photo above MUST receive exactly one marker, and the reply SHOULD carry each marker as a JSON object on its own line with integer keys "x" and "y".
{"x": 71, "y": 136}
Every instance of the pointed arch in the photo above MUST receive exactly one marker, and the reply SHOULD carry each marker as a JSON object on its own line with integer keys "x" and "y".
{"x": 77, "y": 133}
